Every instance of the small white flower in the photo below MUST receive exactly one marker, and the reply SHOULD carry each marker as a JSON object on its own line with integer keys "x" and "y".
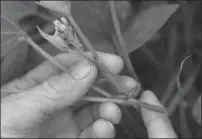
{"x": 65, "y": 31}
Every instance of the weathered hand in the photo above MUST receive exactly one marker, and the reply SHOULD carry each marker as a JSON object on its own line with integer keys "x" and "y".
{"x": 44, "y": 110}
{"x": 158, "y": 125}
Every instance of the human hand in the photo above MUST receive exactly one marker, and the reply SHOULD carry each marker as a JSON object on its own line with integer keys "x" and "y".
{"x": 43, "y": 112}
{"x": 158, "y": 125}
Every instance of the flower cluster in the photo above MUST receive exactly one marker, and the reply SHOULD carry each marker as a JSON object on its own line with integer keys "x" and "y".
{"x": 65, "y": 31}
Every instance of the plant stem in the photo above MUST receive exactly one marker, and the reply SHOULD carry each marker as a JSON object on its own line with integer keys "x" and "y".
{"x": 180, "y": 94}
{"x": 174, "y": 80}
{"x": 101, "y": 91}
{"x": 131, "y": 102}
{"x": 116, "y": 46}
{"x": 121, "y": 41}
{"x": 59, "y": 64}
{"x": 98, "y": 99}
{"x": 10, "y": 33}
{"x": 8, "y": 42}
{"x": 47, "y": 56}
{"x": 170, "y": 89}
{"x": 83, "y": 37}
{"x": 102, "y": 67}
{"x": 13, "y": 24}
{"x": 112, "y": 78}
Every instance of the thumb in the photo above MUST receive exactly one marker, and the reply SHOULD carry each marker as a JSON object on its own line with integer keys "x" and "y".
{"x": 67, "y": 88}
{"x": 22, "y": 112}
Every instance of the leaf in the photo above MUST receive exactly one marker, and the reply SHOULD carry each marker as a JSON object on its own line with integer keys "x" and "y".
{"x": 57, "y": 6}
{"x": 13, "y": 62}
{"x": 6, "y": 40}
{"x": 147, "y": 23}
{"x": 13, "y": 11}
{"x": 94, "y": 18}
{"x": 55, "y": 40}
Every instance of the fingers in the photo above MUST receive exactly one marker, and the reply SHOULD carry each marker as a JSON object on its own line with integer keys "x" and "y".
{"x": 157, "y": 124}
{"x": 59, "y": 124}
{"x": 63, "y": 90}
{"x": 45, "y": 70}
{"x": 125, "y": 82}
{"x": 99, "y": 129}
{"x": 107, "y": 111}
{"x": 58, "y": 92}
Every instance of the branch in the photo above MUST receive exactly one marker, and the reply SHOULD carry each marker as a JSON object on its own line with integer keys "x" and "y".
{"x": 13, "y": 24}
{"x": 10, "y": 33}
{"x": 121, "y": 41}
{"x": 3, "y": 8}
{"x": 104, "y": 70}
{"x": 8, "y": 42}
{"x": 131, "y": 102}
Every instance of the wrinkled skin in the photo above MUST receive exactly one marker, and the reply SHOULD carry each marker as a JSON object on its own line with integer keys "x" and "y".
{"x": 45, "y": 109}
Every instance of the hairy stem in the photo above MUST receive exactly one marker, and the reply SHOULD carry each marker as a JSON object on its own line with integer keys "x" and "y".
{"x": 121, "y": 41}
{"x": 104, "y": 70}
{"x": 47, "y": 56}
{"x": 126, "y": 102}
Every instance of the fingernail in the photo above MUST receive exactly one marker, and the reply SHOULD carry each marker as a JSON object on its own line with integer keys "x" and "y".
{"x": 81, "y": 70}
{"x": 103, "y": 129}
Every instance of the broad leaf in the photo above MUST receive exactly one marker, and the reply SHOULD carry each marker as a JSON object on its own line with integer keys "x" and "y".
{"x": 13, "y": 62}
{"x": 8, "y": 41}
{"x": 15, "y": 10}
{"x": 147, "y": 23}
{"x": 12, "y": 12}
{"x": 57, "y": 6}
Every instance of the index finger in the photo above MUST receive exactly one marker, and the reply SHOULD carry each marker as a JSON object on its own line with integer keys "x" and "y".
{"x": 157, "y": 124}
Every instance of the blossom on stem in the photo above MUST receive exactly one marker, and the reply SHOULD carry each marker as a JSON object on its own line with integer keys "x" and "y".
{"x": 64, "y": 38}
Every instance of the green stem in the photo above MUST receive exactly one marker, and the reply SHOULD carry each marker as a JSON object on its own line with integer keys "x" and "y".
{"x": 121, "y": 41}
{"x": 8, "y": 42}
{"x": 112, "y": 78}
{"x": 10, "y": 33}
